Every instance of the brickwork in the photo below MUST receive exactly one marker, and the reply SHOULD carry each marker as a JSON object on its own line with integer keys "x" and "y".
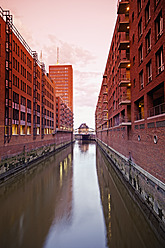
{"x": 27, "y": 93}
{"x": 63, "y": 76}
{"x": 134, "y": 81}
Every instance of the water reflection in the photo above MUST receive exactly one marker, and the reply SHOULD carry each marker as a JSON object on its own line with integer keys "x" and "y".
{"x": 84, "y": 145}
{"x": 58, "y": 204}
{"x": 87, "y": 229}
{"x": 34, "y": 200}
{"x": 125, "y": 224}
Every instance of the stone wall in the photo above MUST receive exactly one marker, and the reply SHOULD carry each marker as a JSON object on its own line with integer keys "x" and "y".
{"x": 149, "y": 190}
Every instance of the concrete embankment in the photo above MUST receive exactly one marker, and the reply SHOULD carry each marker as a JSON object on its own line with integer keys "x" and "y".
{"x": 13, "y": 166}
{"x": 146, "y": 190}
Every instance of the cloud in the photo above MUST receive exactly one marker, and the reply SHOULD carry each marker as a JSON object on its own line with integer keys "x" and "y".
{"x": 24, "y": 31}
{"x": 86, "y": 81}
{"x": 68, "y": 53}
{"x": 86, "y": 88}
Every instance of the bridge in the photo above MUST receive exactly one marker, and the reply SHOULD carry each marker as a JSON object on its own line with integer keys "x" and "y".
{"x": 84, "y": 133}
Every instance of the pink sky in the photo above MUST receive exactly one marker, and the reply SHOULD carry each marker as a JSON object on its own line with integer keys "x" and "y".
{"x": 82, "y": 29}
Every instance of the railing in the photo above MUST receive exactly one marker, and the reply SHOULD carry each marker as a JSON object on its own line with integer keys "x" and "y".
{"x": 124, "y": 77}
{"x": 123, "y": 58}
{"x": 157, "y": 110}
{"x": 125, "y": 97}
{"x": 123, "y": 37}
{"x": 124, "y": 119}
{"x": 139, "y": 116}
{"x": 119, "y": 1}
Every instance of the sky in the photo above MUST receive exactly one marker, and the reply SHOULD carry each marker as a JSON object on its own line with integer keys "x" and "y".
{"x": 82, "y": 29}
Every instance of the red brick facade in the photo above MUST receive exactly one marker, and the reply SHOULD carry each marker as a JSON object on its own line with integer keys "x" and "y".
{"x": 28, "y": 101}
{"x": 63, "y": 76}
{"x": 64, "y": 116}
{"x": 130, "y": 112}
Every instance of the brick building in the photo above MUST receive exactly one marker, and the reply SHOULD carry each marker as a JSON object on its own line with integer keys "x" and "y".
{"x": 83, "y": 129}
{"x": 130, "y": 112}
{"x": 28, "y": 112}
{"x": 63, "y": 76}
{"x": 64, "y": 116}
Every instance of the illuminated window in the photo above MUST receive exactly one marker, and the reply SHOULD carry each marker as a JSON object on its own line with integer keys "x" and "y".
{"x": 6, "y": 130}
{"x": 22, "y": 130}
{"x": 14, "y": 129}
{"x": 38, "y": 130}
{"x": 28, "y": 130}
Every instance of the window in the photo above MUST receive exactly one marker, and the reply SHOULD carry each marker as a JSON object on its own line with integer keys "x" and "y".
{"x": 114, "y": 101}
{"x": 22, "y": 130}
{"x": 147, "y": 13}
{"x": 139, "y": 2}
{"x": 140, "y": 28}
{"x": 156, "y": 2}
{"x": 28, "y": 130}
{"x": 159, "y": 26}
{"x": 15, "y": 114}
{"x": 28, "y": 104}
{"x": 38, "y": 108}
{"x": 148, "y": 42}
{"x": 38, "y": 130}
{"x": 38, "y": 96}
{"x": 13, "y": 45}
{"x": 18, "y": 51}
{"x": 140, "y": 54}
{"x": 28, "y": 118}
{"x": 22, "y": 116}
{"x": 139, "y": 109}
{"x": 15, "y": 81}
{"x": 14, "y": 129}
{"x": 38, "y": 120}
{"x": 134, "y": 60}
{"x": 132, "y": 16}
{"x": 15, "y": 97}
{"x": 29, "y": 90}
{"x": 133, "y": 39}
{"x": 159, "y": 61}
{"x": 134, "y": 83}
{"x": 141, "y": 80}
{"x": 23, "y": 101}
{"x": 149, "y": 72}
{"x": 23, "y": 86}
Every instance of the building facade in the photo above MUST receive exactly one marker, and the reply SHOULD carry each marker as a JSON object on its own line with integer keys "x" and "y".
{"x": 130, "y": 111}
{"x": 64, "y": 116}
{"x": 27, "y": 93}
{"x": 63, "y": 77}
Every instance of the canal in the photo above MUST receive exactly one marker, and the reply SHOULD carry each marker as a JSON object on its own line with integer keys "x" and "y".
{"x": 72, "y": 199}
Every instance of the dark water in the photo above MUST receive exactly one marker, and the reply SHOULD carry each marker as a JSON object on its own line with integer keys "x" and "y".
{"x": 71, "y": 200}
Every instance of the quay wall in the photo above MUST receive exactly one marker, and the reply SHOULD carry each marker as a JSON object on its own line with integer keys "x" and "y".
{"x": 15, "y": 157}
{"x": 147, "y": 190}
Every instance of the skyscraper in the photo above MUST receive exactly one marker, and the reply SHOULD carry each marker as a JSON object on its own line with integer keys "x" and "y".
{"x": 63, "y": 78}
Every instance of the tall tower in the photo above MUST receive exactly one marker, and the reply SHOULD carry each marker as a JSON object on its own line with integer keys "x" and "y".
{"x": 63, "y": 78}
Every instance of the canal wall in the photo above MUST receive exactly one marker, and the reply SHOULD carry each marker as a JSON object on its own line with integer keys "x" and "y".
{"x": 148, "y": 191}
{"x": 22, "y": 156}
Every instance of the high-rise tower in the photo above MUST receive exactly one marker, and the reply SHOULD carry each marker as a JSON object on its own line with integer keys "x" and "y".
{"x": 63, "y": 78}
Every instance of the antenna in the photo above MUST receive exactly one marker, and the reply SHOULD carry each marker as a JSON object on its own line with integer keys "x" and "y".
{"x": 57, "y": 55}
